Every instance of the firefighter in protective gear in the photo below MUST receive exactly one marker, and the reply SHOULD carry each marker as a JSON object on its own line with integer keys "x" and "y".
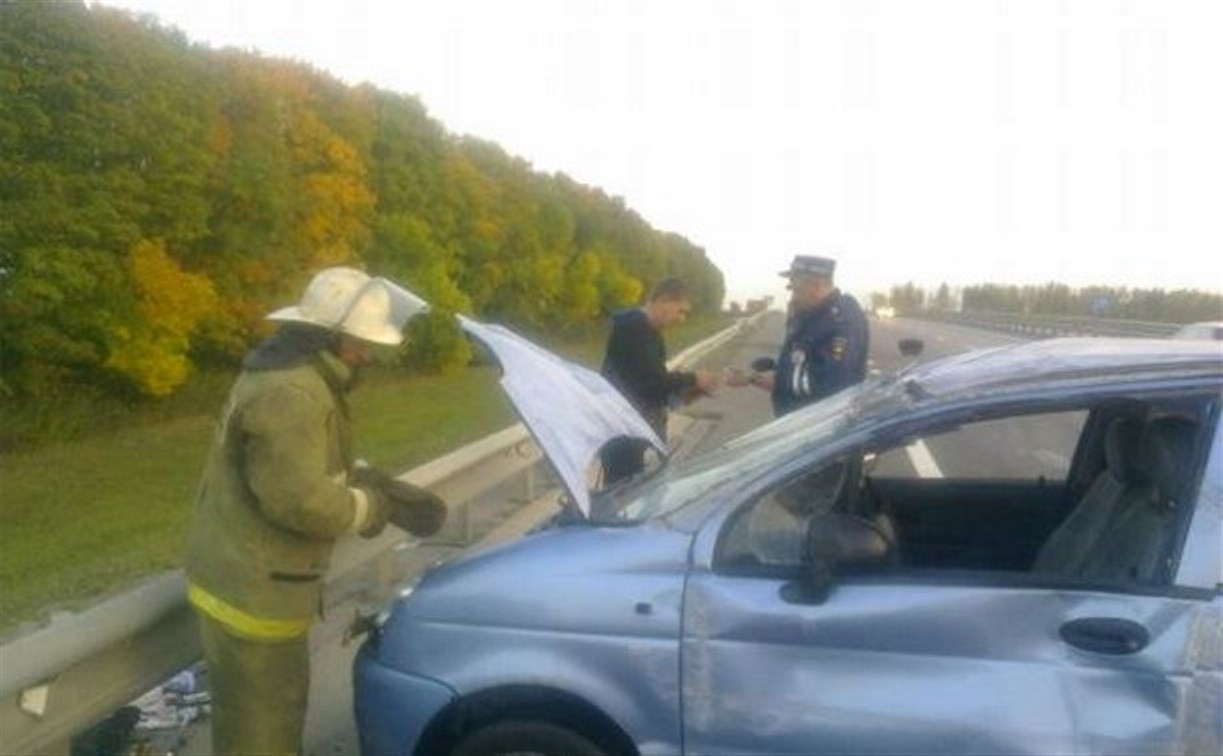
{"x": 278, "y": 490}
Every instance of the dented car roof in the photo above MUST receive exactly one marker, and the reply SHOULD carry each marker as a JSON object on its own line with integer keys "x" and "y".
{"x": 1030, "y": 364}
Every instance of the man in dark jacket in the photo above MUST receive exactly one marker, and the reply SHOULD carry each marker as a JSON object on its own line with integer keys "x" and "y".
{"x": 279, "y": 489}
{"x": 827, "y": 339}
{"x": 636, "y": 364}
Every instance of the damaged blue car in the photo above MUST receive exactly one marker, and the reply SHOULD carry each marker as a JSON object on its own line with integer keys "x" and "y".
{"x": 1014, "y": 550}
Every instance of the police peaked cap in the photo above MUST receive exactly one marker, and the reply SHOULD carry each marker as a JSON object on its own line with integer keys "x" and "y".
{"x": 810, "y": 265}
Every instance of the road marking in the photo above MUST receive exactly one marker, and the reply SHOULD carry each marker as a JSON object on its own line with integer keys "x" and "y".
{"x": 923, "y": 460}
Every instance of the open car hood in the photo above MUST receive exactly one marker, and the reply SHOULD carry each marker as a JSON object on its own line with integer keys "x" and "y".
{"x": 570, "y": 410}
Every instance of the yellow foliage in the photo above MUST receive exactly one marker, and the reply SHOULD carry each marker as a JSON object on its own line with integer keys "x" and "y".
{"x": 152, "y": 351}
{"x": 221, "y": 137}
{"x": 170, "y": 297}
{"x": 333, "y": 221}
{"x": 152, "y": 363}
{"x": 623, "y": 290}
{"x": 488, "y": 229}
{"x": 580, "y": 294}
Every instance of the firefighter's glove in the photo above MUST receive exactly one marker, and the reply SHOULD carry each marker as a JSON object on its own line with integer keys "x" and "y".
{"x": 411, "y": 508}
{"x": 414, "y": 509}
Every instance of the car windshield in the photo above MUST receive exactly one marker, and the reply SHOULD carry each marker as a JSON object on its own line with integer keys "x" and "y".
{"x": 671, "y": 488}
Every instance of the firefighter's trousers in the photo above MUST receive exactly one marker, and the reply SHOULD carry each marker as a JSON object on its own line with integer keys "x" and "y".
{"x": 259, "y": 690}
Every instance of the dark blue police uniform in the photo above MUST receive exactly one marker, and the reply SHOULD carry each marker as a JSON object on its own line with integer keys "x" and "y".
{"x": 825, "y": 350}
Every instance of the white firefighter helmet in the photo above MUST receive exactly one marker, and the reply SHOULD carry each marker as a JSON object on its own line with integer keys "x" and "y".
{"x": 348, "y": 301}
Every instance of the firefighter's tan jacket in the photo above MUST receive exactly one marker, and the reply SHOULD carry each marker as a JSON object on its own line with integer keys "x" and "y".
{"x": 274, "y": 498}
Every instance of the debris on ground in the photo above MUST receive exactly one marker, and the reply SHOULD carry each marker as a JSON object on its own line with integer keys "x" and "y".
{"x": 154, "y": 724}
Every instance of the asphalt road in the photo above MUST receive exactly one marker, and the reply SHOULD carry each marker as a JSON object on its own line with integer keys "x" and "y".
{"x": 739, "y": 410}
{"x": 1018, "y": 448}
{"x": 729, "y": 413}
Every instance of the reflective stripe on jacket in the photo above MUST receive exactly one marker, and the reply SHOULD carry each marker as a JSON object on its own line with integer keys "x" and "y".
{"x": 244, "y": 624}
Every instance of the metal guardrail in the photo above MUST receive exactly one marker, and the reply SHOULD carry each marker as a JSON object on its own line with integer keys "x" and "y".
{"x": 1050, "y": 326}
{"x": 58, "y": 680}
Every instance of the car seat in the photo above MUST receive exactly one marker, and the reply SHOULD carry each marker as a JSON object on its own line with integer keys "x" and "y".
{"x": 1136, "y": 544}
{"x": 1067, "y": 550}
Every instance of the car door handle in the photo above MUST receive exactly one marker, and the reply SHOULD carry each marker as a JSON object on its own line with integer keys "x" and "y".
{"x": 1106, "y": 635}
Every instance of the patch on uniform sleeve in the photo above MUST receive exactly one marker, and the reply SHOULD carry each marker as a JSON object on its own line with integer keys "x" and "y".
{"x": 838, "y": 348}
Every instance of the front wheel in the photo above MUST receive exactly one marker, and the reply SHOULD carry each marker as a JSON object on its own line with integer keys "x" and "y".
{"x": 526, "y": 738}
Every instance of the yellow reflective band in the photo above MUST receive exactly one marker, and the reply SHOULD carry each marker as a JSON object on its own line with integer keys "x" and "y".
{"x": 240, "y": 621}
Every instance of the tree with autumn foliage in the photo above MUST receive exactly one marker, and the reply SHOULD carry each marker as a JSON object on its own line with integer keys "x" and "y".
{"x": 160, "y": 197}
{"x": 150, "y": 347}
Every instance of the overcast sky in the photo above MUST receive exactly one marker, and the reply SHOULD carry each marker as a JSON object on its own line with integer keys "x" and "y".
{"x": 963, "y": 141}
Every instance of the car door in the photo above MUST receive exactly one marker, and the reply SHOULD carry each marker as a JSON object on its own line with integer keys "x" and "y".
{"x": 940, "y": 661}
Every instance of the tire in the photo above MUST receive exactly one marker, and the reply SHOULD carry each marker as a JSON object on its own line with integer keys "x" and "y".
{"x": 526, "y": 738}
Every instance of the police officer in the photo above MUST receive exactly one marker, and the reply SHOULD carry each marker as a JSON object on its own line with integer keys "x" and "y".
{"x": 279, "y": 488}
{"x": 826, "y": 342}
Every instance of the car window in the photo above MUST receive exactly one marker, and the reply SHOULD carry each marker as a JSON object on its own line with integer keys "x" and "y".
{"x": 752, "y": 455}
{"x": 771, "y": 530}
{"x": 1036, "y": 447}
{"x": 1023, "y": 447}
{"x": 993, "y": 496}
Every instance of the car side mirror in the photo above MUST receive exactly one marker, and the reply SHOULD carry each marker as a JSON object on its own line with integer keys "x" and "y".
{"x": 911, "y": 347}
{"x": 839, "y": 543}
{"x": 764, "y": 364}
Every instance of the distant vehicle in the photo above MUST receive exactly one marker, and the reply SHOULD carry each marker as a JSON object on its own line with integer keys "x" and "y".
{"x": 1210, "y": 331}
{"x": 822, "y": 585}
{"x": 885, "y": 313}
